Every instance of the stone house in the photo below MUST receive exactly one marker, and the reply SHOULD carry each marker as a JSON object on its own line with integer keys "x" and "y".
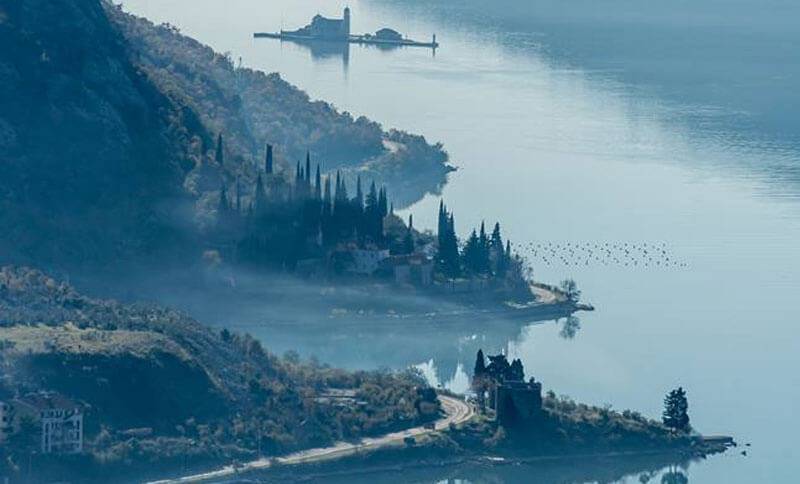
{"x": 59, "y": 418}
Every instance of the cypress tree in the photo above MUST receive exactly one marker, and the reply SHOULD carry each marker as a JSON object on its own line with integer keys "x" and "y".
{"x": 268, "y": 162}
{"x": 482, "y": 261}
{"x": 452, "y": 263}
{"x": 442, "y": 225}
{"x": 480, "y": 365}
{"x": 308, "y": 171}
{"x": 318, "y": 185}
{"x": 471, "y": 253}
{"x": 383, "y": 204}
{"x": 408, "y": 242}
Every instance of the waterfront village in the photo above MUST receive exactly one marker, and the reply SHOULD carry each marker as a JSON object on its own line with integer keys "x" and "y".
{"x": 314, "y": 228}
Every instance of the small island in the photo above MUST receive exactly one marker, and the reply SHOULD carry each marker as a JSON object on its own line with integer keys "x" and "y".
{"x": 338, "y": 30}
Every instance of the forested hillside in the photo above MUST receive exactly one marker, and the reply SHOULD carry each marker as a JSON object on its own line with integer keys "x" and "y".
{"x": 143, "y": 366}
{"x": 108, "y": 132}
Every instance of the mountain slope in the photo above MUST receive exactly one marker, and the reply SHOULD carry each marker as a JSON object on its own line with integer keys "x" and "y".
{"x": 143, "y": 366}
{"x": 90, "y": 148}
{"x": 107, "y": 133}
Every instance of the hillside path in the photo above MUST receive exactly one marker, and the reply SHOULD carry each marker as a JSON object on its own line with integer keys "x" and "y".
{"x": 456, "y": 411}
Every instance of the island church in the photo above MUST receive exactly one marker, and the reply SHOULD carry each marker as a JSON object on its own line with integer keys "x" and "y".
{"x": 326, "y": 28}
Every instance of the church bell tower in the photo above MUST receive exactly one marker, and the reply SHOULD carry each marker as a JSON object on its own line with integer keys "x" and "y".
{"x": 346, "y": 23}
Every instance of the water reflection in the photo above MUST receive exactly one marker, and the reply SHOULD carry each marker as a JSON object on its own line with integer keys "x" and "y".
{"x": 629, "y": 469}
{"x": 324, "y": 50}
{"x": 570, "y": 327}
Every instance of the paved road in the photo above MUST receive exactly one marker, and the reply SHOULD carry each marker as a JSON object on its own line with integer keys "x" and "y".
{"x": 456, "y": 411}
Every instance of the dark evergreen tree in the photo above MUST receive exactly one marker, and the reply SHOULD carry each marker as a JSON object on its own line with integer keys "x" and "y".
{"x": 449, "y": 258}
{"x": 482, "y": 262}
{"x": 480, "y": 365}
{"x": 268, "y": 162}
{"x": 470, "y": 254}
{"x": 676, "y": 410}
{"x": 442, "y": 224}
{"x": 408, "y": 242}
{"x": 307, "y": 179}
{"x": 318, "y": 185}
{"x": 383, "y": 204}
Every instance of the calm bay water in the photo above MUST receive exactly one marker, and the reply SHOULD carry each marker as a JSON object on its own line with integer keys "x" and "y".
{"x": 565, "y": 144}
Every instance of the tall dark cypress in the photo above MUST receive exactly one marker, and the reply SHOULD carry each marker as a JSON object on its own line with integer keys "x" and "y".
{"x": 480, "y": 365}
{"x": 383, "y": 203}
{"x": 408, "y": 242}
{"x": 268, "y": 162}
{"x": 318, "y": 185}
{"x": 442, "y": 225}
{"x": 483, "y": 251}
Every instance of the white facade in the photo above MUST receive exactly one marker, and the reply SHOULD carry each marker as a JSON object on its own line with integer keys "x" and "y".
{"x": 61, "y": 421}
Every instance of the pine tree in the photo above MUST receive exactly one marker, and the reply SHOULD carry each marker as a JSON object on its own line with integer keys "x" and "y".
{"x": 218, "y": 156}
{"x": 676, "y": 410}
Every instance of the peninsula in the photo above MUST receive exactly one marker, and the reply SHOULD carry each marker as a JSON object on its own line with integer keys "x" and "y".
{"x": 338, "y": 30}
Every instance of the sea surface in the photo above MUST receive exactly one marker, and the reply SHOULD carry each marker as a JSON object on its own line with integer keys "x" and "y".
{"x": 649, "y": 150}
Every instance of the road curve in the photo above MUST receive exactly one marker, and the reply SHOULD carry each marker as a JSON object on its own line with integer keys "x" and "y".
{"x": 456, "y": 411}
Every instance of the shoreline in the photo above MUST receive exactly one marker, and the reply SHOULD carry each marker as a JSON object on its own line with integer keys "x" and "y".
{"x": 397, "y": 459}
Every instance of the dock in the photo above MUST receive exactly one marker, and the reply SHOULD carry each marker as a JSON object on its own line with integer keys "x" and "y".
{"x": 352, "y": 39}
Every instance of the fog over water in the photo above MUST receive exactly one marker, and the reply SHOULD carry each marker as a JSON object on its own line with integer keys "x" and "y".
{"x": 673, "y": 125}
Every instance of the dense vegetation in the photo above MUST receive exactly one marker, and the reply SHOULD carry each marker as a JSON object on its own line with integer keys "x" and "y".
{"x": 145, "y": 367}
{"x": 253, "y": 108}
{"x": 107, "y": 128}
